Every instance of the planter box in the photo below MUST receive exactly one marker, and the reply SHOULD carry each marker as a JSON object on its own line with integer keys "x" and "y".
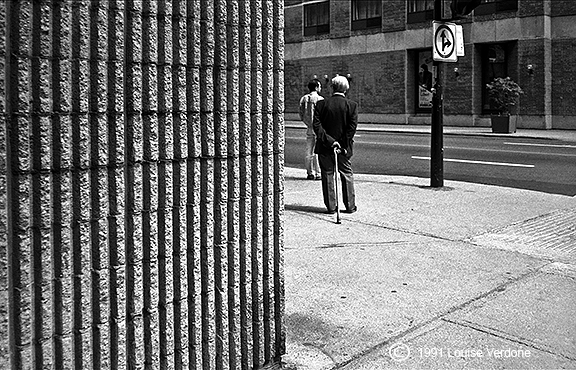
{"x": 503, "y": 124}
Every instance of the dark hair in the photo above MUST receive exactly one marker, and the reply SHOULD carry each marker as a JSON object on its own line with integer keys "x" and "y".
{"x": 313, "y": 84}
{"x": 424, "y": 67}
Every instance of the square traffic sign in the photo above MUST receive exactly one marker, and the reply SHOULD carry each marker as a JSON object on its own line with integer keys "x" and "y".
{"x": 444, "y": 43}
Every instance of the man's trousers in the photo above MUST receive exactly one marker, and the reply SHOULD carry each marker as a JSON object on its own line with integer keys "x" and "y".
{"x": 311, "y": 159}
{"x": 327, "y": 165}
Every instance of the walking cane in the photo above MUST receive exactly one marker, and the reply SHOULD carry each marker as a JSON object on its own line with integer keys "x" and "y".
{"x": 336, "y": 173}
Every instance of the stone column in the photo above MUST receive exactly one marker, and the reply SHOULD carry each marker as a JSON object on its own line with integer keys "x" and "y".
{"x": 141, "y": 184}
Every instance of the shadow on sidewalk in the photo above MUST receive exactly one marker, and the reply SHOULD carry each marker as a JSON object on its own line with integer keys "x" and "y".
{"x": 303, "y": 208}
{"x": 300, "y": 178}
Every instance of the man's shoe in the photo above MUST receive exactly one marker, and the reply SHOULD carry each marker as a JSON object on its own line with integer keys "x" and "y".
{"x": 310, "y": 177}
{"x": 351, "y": 210}
{"x": 318, "y": 177}
{"x": 330, "y": 212}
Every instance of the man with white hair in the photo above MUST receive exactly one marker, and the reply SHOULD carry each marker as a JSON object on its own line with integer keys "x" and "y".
{"x": 335, "y": 122}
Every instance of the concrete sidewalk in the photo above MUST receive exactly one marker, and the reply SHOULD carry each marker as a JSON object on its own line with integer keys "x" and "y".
{"x": 565, "y": 135}
{"x": 465, "y": 276}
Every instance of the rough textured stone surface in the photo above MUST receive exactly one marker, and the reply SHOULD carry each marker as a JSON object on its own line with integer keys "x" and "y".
{"x": 141, "y": 170}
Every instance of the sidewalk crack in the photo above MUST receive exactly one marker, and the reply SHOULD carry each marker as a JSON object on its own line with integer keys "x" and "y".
{"x": 507, "y": 336}
{"x": 440, "y": 317}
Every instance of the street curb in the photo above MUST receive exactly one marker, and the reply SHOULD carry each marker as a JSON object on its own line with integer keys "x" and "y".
{"x": 488, "y": 134}
{"x": 452, "y": 133}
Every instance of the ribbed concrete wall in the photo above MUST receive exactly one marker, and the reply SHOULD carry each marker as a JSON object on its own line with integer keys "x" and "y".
{"x": 141, "y": 184}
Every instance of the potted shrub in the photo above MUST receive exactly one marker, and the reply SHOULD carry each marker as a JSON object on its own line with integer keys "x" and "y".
{"x": 504, "y": 94}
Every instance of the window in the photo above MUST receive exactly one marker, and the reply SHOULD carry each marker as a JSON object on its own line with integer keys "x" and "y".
{"x": 425, "y": 81}
{"x": 366, "y": 14}
{"x": 420, "y": 10}
{"x": 495, "y": 6}
{"x": 494, "y": 64}
{"x": 317, "y": 18}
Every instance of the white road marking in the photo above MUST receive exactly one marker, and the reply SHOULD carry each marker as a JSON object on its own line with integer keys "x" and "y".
{"x": 480, "y": 162}
{"x": 407, "y": 145}
{"x": 545, "y": 145}
{"x": 491, "y": 150}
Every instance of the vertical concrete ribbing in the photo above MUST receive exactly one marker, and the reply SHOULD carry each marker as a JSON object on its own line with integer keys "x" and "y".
{"x": 193, "y": 180}
{"x": 39, "y": 184}
{"x": 112, "y": 347}
{"x": 19, "y": 32}
{"x": 180, "y": 255}
{"x": 166, "y": 184}
{"x": 151, "y": 239}
{"x": 98, "y": 108}
{"x": 233, "y": 143}
{"x": 135, "y": 340}
{"x": 41, "y": 143}
{"x": 221, "y": 185}
{"x": 268, "y": 179}
{"x": 151, "y": 235}
{"x": 194, "y": 269}
{"x": 61, "y": 183}
{"x": 4, "y": 188}
{"x": 245, "y": 149}
{"x": 207, "y": 221}
{"x": 116, "y": 190}
{"x": 118, "y": 287}
{"x": 179, "y": 63}
{"x": 79, "y": 138}
{"x": 81, "y": 192}
{"x": 257, "y": 180}
{"x": 4, "y": 286}
{"x": 279, "y": 134}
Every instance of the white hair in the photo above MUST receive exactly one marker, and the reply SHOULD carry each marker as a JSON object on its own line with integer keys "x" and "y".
{"x": 340, "y": 84}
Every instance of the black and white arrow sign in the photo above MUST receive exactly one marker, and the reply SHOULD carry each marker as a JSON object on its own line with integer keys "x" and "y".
{"x": 444, "y": 47}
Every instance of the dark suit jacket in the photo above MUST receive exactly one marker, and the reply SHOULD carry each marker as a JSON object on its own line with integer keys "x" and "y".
{"x": 335, "y": 119}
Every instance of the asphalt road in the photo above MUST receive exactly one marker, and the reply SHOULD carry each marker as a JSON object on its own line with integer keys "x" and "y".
{"x": 542, "y": 165}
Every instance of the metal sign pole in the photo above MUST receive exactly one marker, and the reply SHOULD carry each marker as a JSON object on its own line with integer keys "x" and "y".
{"x": 437, "y": 146}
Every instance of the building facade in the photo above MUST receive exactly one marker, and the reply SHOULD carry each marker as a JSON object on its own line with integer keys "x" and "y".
{"x": 385, "y": 47}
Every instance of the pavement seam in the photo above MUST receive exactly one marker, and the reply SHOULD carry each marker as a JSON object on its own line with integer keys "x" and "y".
{"x": 496, "y": 290}
{"x": 566, "y": 270}
{"x": 549, "y": 236}
{"x": 352, "y": 245}
{"x": 362, "y": 244}
{"x": 521, "y": 222}
{"x": 506, "y": 336}
{"x": 428, "y": 235}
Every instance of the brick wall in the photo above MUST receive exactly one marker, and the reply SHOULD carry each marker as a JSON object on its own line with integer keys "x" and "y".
{"x": 458, "y": 90}
{"x": 564, "y": 81}
{"x": 393, "y": 15}
{"x": 295, "y": 84}
{"x": 562, "y": 7}
{"x": 293, "y": 24}
{"x": 141, "y": 203}
{"x": 373, "y": 77}
{"x": 339, "y": 19}
{"x": 533, "y": 101}
{"x": 527, "y": 8}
